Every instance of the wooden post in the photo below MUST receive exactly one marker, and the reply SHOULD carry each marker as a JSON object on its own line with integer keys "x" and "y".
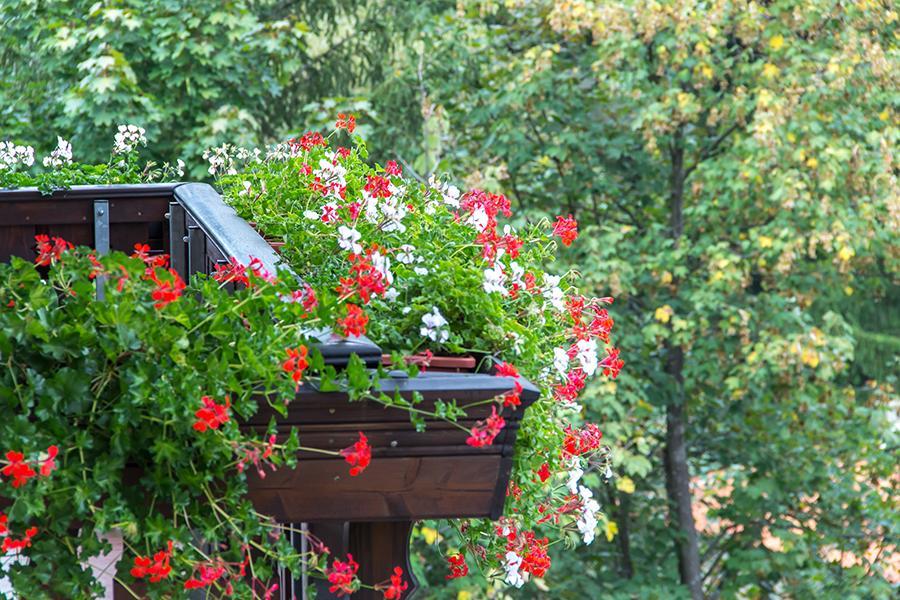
{"x": 378, "y": 547}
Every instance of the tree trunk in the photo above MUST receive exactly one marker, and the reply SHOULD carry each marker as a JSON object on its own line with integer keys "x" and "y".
{"x": 678, "y": 475}
{"x": 622, "y": 503}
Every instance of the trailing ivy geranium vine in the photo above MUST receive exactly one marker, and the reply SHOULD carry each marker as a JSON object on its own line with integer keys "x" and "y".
{"x": 126, "y": 410}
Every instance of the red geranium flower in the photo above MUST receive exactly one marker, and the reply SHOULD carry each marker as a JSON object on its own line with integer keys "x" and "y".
{"x": 392, "y": 168}
{"x": 359, "y": 455}
{"x": 582, "y": 441}
{"x": 354, "y": 324}
{"x": 208, "y": 576}
{"x": 484, "y": 432}
{"x": 505, "y": 369}
{"x": 50, "y": 249}
{"x": 167, "y": 290}
{"x": 17, "y": 468}
{"x": 212, "y": 415}
{"x": 345, "y": 121}
{"x": 233, "y": 271}
{"x": 342, "y": 576}
{"x": 3, "y": 521}
{"x": 49, "y": 463}
{"x": 378, "y": 186}
{"x": 566, "y": 228}
{"x": 156, "y": 568}
{"x": 395, "y": 589}
{"x": 10, "y": 544}
{"x": 544, "y": 472}
{"x": 458, "y": 566}
{"x": 296, "y": 363}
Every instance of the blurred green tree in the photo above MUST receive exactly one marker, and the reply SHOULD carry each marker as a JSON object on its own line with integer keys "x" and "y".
{"x": 732, "y": 168}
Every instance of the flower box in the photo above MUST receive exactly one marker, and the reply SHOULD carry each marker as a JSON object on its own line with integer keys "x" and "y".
{"x": 413, "y": 475}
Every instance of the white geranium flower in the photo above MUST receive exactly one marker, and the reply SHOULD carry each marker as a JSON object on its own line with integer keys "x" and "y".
{"x": 478, "y": 219}
{"x": 494, "y": 278}
{"x": 587, "y": 355}
{"x": 128, "y": 138}
{"x": 406, "y": 254}
{"x": 391, "y": 294}
{"x": 382, "y": 264}
{"x": 560, "y": 360}
{"x": 553, "y": 293}
{"x": 349, "y": 239}
{"x": 11, "y": 155}
{"x": 587, "y": 520}
{"x": 511, "y": 566}
{"x": 420, "y": 271}
{"x": 61, "y": 155}
{"x": 311, "y": 215}
{"x": 574, "y": 477}
{"x": 434, "y": 326}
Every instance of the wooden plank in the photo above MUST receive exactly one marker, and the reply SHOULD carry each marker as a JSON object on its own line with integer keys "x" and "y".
{"x": 17, "y": 241}
{"x": 389, "y": 489}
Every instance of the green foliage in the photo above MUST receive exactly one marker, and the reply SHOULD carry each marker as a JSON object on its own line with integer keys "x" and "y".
{"x": 194, "y": 74}
{"x": 772, "y": 127}
{"x": 115, "y": 386}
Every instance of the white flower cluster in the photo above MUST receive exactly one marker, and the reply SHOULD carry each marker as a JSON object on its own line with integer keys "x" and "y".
{"x": 11, "y": 155}
{"x": 220, "y": 160}
{"x": 553, "y": 293}
{"x": 331, "y": 173}
{"x": 434, "y": 326}
{"x": 513, "y": 563}
{"x": 61, "y": 155}
{"x": 349, "y": 239}
{"x": 389, "y": 212}
{"x": 450, "y": 194}
{"x": 587, "y": 520}
{"x": 128, "y": 138}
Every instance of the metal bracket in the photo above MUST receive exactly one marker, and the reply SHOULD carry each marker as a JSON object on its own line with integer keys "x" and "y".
{"x": 101, "y": 238}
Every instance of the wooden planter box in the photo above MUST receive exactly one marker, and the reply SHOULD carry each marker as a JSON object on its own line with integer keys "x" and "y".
{"x": 413, "y": 475}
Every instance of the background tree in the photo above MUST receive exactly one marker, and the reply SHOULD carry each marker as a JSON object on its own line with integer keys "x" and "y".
{"x": 734, "y": 162}
{"x": 194, "y": 74}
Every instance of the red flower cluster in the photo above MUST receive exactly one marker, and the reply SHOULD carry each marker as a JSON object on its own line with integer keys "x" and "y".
{"x": 458, "y": 566}
{"x": 365, "y": 279}
{"x": 142, "y": 251}
{"x": 354, "y": 324}
{"x": 581, "y": 441}
{"x": 484, "y": 432}
{"x": 21, "y": 470}
{"x": 566, "y": 228}
{"x": 513, "y": 398}
{"x": 345, "y": 121}
{"x": 394, "y": 590}
{"x": 10, "y": 544}
{"x": 167, "y": 290}
{"x": 233, "y": 271}
{"x": 296, "y": 363}
{"x": 535, "y": 559}
{"x": 307, "y": 141}
{"x": 342, "y": 576}
{"x": 305, "y": 296}
{"x": 568, "y": 391}
{"x": 378, "y": 186}
{"x": 393, "y": 169}
{"x": 50, "y": 249}
{"x": 358, "y": 456}
{"x": 208, "y": 576}
{"x": 212, "y": 415}
{"x": 156, "y": 569}
{"x": 544, "y": 472}
{"x": 612, "y": 364}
